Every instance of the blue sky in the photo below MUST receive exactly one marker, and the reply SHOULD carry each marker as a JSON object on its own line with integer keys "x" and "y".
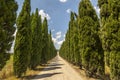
{"x": 57, "y": 13}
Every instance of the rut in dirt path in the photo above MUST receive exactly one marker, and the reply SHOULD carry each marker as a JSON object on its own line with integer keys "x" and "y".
{"x": 58, "y": 69}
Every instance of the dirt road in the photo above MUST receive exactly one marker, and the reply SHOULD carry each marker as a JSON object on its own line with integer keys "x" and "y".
{"x": 58, "y": 69}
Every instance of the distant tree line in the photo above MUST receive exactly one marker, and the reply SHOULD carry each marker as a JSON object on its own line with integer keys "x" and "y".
{"x": 93, "y": 43}
{"x": 33, "y": 42}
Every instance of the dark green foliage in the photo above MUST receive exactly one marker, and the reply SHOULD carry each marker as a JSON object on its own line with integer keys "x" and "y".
{"x": 70, "y": 47}
{"x": 22, "y": 41}
{"x": 104, "y": 14}
{"x": 65, "y": 47}
{"x": 90, "y": 45}
{"x": 86, "y": 9}
{"x": 76, "y": 44}
{"x": 111, "y": 36}
{"x": 102, "y": 2}
{"x": 36, "y": 41}
{"x": 7, "y": 21}
{"x": 45, "y": 40}
{"x": 71, "y": 37}
{"x": 39, "y": 39}
{"x": 115, "y": 9}
{"x": 52, "y": 50}
{"x": 48, "y": 48}
{"x": 113, "y": 39}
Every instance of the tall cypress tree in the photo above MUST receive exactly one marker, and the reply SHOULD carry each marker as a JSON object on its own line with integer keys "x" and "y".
{"x": 90, "y": 44}
{"x": 76, "y": 43}
{"x": 22, "y": 41}
{"x": 71, "y": 29}
{"x": 36, "y": 40}
{"x": 50, "y": 47}
{"x": 70, "y": 49}
{"x": 53, "y": 50}
{"x": 39, "y": 39}
{"x": 110, "y": 20}
{"x": 8, "y": 10}
{"x": 65, "y": 47}
{"x": 44, "y": 41}
{"x": 114, "y": 34}
{"x": 104, "y": 15}
{"x": 112, "y": 28}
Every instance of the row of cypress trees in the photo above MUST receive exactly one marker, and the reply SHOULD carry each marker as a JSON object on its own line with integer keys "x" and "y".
{"x": 33, "y": 43}
{"x": 93, "y": 43}
{"x": 8, "y": 14}
{"x": 84, "y": 47}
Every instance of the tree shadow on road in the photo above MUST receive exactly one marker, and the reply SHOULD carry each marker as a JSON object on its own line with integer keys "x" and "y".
{"x": 51, "y": 68}
{"x": 41, "y": 76}
{"x": 47, "y": 69}
{"x": 56, "y": 64}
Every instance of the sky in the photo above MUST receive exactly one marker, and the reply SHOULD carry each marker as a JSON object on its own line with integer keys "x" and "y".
{"x": 58, "y": 14}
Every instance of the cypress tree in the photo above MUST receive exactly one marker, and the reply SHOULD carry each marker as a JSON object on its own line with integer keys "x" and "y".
{"x": 52, "y": 50}
{"x": 50, "y": 45}
{"x": 90, "y": 44}
{"x": 111, "y": 31}
{"x": 114, "y": 35}
{"x": 36, "y": 34}
{"x": 44, "y": 42}
{"x": 39, "y": 39}
{"x": 74, "y": 40}
{"x": 76, "y": 43}
{"x": 67, "y": 45}
{"x": 71, "y": 29}
{"x": 64, "y": 50}
{"x": 104, "y": 15}
{"x": 22, "y": 41}
{"x": 112, "y": 28}
{"x": 8, "y": 10}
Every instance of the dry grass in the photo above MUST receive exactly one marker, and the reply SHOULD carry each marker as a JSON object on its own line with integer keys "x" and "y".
{"x": 107, "y": 70}
{"x": 7, "y": 71}
{"x": 107, "y": 73}
{"x": 84, "y": 77}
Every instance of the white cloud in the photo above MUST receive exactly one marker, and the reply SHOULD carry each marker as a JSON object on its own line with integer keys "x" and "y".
{"x": 60, "y": 42}
{"x": 64, "y": 35}
{"x": 43, "y": 15}
{"x": 97, "y": 9}
{"x": 58, "y": 34}
{"x": 58, "y": 39}
{"x": 63, "y": 1}
{"x": 52, "y": 30}
{"x": 68, "y": 10}
{"x": 54, "y": 40}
